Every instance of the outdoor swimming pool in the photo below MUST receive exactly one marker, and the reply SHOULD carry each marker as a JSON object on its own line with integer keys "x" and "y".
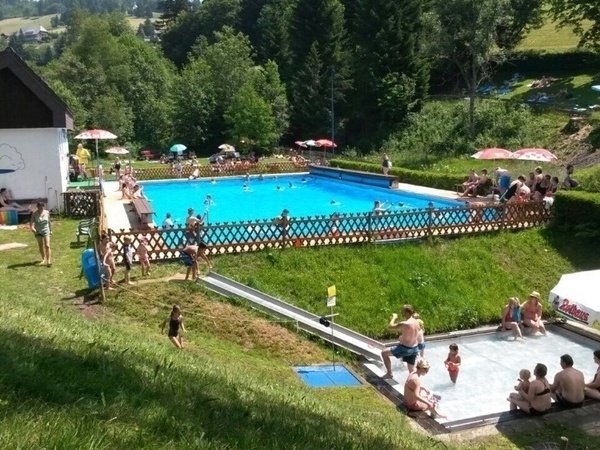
{"x": 306, "y": 196}
{"x": 490, "y": 368}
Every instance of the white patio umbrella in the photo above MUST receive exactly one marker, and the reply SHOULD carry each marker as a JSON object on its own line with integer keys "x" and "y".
{"x": 577, "y": 297}
{"x": 226, "y": 148}
{"x": 119, "y": 151}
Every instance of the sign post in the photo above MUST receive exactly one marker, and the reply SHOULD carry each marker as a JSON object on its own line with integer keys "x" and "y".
{"x": 331, "y": 300}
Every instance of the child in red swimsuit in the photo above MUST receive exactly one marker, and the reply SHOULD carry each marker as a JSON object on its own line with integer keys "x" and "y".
{"x": 452, "y": 362}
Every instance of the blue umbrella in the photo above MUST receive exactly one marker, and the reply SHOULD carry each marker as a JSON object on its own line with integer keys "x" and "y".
{"x": 178, "y": 148}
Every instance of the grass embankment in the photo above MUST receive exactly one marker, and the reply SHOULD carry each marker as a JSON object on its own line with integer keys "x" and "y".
{"x": 454, "y": 284}
{"x": 12, "y": 25}
{"x": 102, "y": 377}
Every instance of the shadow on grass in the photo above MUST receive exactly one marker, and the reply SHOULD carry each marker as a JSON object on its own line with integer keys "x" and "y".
{"x": 582, "y": 253}
{"x": 167, "y": 403}
{"x": 27, "y": 264}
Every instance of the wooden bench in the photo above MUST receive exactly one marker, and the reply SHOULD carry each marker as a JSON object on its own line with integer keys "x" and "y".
{"x": 144, "y": 211}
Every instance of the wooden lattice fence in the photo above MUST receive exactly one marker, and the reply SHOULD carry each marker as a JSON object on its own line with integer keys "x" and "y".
{"x": 248, "y": 236}
{"x": 82, "y": 203}
{"x": 165, "y": 171}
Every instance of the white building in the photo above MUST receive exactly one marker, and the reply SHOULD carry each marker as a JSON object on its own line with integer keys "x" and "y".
{"x": 34, "y": 162}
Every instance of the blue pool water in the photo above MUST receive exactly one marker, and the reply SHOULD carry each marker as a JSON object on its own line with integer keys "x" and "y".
{"x": 262, "y": 200}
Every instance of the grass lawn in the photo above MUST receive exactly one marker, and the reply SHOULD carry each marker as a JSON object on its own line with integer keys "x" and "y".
{"x": 9, "y": 26}
{"x": 101, "y": 376}
{"x": 551, "y": 38}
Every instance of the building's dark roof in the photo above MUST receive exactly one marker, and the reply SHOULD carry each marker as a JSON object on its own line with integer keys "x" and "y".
{"x": 26, "y": 100}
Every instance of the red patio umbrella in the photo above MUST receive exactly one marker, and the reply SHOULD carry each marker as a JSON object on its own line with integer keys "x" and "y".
{"x": 493, "y": 153}
{"x": 96, "y": 135}
{"x": 326, "y": 143}
{"x": 534, "y": 154}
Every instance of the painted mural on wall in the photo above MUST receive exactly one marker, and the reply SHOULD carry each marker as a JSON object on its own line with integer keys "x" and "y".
{"x": 11, "y": 159}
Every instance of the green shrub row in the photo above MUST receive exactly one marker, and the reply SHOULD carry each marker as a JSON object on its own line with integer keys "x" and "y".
{"x": 536, "y": 61}
{"x": 577, "y": 209}
{"x": 418, "y": 177}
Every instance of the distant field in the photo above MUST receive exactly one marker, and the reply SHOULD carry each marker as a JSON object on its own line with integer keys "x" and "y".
{"x": 550, "y": 38}
{"x": 9, "y": 26}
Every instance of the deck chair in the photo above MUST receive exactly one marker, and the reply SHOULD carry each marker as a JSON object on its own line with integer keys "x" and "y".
{"x": 85, "y": 228}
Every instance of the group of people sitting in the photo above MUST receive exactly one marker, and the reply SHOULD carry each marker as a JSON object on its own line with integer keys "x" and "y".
{"x": 537, "y": 187}
{"x": 129, "y": 187}
{"x": 568, "y": 390}
{"x": 515, "y": 316}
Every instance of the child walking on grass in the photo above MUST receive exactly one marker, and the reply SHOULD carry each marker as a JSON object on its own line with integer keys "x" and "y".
{"x": 453, "y": 362}
{"x": 142, "y": 252}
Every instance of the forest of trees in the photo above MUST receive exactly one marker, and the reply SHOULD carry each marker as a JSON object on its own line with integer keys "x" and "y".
{"x": 271, "y": 71}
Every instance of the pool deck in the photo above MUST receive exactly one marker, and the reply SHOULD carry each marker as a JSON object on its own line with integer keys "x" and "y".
{"x": 118, "y": 212}
{"x": 449, "y": 195}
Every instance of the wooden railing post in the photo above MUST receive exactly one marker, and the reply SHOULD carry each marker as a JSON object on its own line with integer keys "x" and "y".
{"x": 429, "y": 219}
{"x": 502, "y": 216}
{"x": 370, "y": 227}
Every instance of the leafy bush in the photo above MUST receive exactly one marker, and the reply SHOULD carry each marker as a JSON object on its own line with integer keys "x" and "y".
{"x": 589, "y": 179}
{"x": 577, "y": 210}
{"x": 537, "y": 61}
{"x": 418, "y": 177}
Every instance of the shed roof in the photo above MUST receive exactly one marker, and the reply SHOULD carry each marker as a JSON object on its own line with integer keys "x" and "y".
{"x": 26, "y": 100}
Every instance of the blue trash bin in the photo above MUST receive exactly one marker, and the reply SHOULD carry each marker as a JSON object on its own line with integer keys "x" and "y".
{"x": 89, "y": 262}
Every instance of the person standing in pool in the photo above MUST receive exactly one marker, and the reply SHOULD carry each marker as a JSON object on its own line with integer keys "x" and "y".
{"x": 452, "y": 363}
{"x": 175, "y": 321}
{"x": 408, "y": 345}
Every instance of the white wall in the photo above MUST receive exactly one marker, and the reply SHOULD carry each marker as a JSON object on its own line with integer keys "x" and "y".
{"x": 34, "y": 163}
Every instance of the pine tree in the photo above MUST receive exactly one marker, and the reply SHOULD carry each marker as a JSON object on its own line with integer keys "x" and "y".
{"x": 392, "y": 69}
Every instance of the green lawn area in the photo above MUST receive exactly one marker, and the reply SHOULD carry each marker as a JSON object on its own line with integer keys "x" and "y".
{"x": 9, "y": 26}
{"x": 550, "y": 38}
{"x": 101, "y": 376}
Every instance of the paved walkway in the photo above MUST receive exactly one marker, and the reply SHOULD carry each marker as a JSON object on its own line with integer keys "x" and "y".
{"x": 118, "y": 212}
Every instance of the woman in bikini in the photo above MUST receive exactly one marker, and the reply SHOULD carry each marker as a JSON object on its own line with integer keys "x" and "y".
{"x": 538, "y": 399}
{"x": 416, "y": 396}
{"x": 532, "y": 314}
{"x": 592, "y": 390}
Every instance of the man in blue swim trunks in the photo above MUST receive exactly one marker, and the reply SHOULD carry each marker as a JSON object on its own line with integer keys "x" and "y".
{"x": 407, "y": 347}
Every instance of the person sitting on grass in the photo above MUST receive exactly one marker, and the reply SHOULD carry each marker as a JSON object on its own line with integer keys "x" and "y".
{"x": 416, "y": 396}
{"x": 475, "y": 187}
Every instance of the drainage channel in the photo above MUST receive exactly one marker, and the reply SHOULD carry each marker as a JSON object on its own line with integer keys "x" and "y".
{"x": 336, "y": 334}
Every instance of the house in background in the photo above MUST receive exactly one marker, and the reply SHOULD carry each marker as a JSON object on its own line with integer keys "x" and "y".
{"x": 34, "y": 152}
{"x": 32, "y": 34}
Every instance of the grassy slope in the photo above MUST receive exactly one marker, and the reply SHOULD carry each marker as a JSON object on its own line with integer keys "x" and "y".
{"x": 101, "y": 377}
{"x": 453, "y": 283}
{"x": 550, "y": 38}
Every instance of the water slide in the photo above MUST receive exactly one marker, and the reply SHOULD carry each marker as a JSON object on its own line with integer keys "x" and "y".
{"x": 306, "y": 321}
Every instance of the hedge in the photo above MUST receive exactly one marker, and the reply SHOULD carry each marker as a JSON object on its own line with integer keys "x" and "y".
{"x": 418, "y": 177}
{"x": 536, "y": 61}
{"x": 577, "y": 209}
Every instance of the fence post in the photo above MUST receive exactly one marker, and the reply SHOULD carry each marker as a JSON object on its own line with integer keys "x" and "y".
{"x": 502, "y": 216}
{"x": 370, "y": 227}
{"x": 429, "y": 219}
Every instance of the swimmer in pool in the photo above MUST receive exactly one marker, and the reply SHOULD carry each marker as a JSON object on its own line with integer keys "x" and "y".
{"x": 291, "y": 185}
{"x": 303, "y": 180}
{"x": 335, "y": 203}
{"x": 213, "y": 181}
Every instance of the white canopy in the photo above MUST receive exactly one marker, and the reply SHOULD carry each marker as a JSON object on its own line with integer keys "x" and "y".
{"x": 577, "y": 297}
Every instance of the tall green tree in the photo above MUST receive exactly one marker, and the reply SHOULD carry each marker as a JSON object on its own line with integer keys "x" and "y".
{"x": 391, "y": 64}
{"x": 521, "y": 17}
{"x": 319, "y": 50}
{"x": 467, "y": 36}
{"x": 274, "y": 34}
{"x": 268, "y": 85}
{"x": 250, "y": 117}
{"x": 582, "y": 15}
{"x": 195, "y": 103}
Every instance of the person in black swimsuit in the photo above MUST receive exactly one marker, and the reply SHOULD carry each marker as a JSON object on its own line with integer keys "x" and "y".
{"x": 538, "y": 399}
{"x": 175, "y": 321}
{"x": 514, "y": 190}
{"x": 592, "y": 390}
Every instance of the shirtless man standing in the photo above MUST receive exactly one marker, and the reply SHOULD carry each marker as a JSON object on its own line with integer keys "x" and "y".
{"x": 569, "y": 385}
{"x": 408, "y": 347}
